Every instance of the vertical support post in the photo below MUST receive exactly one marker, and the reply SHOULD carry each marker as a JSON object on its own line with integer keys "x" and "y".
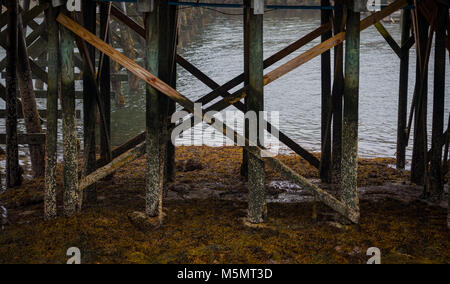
{"x": 419, "y": 145}
{"x": 154, "y": 135}
{"x": 29, "y": 106}
{"x": 166, "y": 57}
{"x": 247, "y": 12}
{"x": 105, "y": 87}
{"x": 52, "y": 112}
{"x": 256, "y": 172}
{"x": 337, "y": 93}
{"x": 437, "y": 183}
{"x": 13, "y": 170}
{"x": 349, "y": 186}
{"x": 173, "y": 36}
{"x": 403, "y": 91}
{"x": 325, "y": 161}
{"x": 89, "y": 102}
{"x": 70, "y": 163}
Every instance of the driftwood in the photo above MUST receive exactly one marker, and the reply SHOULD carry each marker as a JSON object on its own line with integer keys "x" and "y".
{"x": 162, "y": 87}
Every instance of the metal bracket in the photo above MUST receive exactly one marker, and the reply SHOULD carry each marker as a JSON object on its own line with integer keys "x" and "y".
{"x": 145, "y": 6}
{"x": 258, "y": 7}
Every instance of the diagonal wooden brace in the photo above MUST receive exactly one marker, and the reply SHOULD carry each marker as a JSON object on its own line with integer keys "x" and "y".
{"x": 165, "y": 89}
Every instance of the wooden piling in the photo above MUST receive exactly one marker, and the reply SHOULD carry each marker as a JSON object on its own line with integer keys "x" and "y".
{"x": 187, "y": 104}
{"x": 403, "y": 90}
{"x": 167, "y": 57}
{"x": 105, "y": 87}
{"x": 349, "y": 184}
{"x": 338, "y": 93}
{"x": 29, "y": 105}
{"x": 89, "y": 103}
{"x": 247, "y": 12}
{"x": 418, "y": 159}
{"x": 257, "y": 210}
{"x": 325, "y": 162}
{"x": 436, "y": 171}
{"x": 52, "y": 113}
{"x": 13, "y": 170}
{"x": 154, "y": 174}
{"x": 70, "y": 162}
{"x": 173, "y": 37}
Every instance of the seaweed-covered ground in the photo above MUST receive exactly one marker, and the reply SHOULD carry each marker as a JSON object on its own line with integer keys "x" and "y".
{"x": 205, "y": 209}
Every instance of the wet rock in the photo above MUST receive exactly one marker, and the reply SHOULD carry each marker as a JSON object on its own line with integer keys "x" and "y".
{"x": 143, "y": 222}
{"x": 180, "y": 188}
{"x": 190, "y": 165}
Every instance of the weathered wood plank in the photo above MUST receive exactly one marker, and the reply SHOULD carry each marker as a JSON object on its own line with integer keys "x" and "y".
{"x": 113, "y": 166}
{"x": 130, "y": 144}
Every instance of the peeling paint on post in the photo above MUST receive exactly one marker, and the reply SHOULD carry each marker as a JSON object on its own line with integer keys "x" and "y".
{"x": 52, "y": 113}
{"x": 154, "y": 175}
{"x": 349, "y": 194}
{"x": 70, "y": 164}
{"x": 255, "y": 102}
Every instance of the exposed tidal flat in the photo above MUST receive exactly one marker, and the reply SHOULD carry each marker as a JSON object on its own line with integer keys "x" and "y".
{"x": 205, "y": 209}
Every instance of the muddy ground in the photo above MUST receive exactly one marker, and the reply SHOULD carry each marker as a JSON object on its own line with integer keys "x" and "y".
{"x": 205, "y": 210}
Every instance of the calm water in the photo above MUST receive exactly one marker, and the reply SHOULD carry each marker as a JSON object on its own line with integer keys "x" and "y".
{"x": 218, "y": 51}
